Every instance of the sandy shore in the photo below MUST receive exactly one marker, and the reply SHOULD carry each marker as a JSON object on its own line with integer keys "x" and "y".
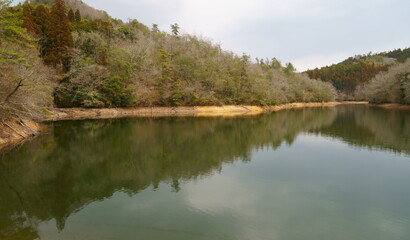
{"x": 205, "y": 111}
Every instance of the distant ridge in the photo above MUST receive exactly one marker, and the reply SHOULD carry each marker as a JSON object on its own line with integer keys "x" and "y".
{"x": 359, "y": 69}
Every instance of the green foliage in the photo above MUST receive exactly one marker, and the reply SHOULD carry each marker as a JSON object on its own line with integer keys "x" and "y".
{"x": 139, "y": 27}
{"x": 12, "y": 32}
{"x": 166, "y": 79}
{"x": 400, "y": 55}
{"x": 10, "y": 57}
{"x": 115, "y": 93}
{"x": 104, "y": 28}
{"x": 175, "y": 29}
{"x": 91, "y": 44}
{"x": 89, "y": 85}
{"x": 77, "y": 16}
{"x": 155, "y": 28}
{"x": 25, "y": 84}
{"x": 131, "y": 30}
{"x": 289, "y": 69}
{"x": 121, "y": 63}
{"x": 275, "y": 64}
{"x": 71, "y": 15}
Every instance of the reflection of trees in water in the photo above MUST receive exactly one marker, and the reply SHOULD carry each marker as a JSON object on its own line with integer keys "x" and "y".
{"x": 79, "y": 162}
{"x": 83, "y": 161}
{"x": 371, "y": 127}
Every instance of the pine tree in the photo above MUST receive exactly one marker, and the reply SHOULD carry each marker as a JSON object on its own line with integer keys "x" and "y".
{"x": 28, "y": 21}
{"x": 289, "y": 69}
{"x": 60, "y": 38}
{"x": 155, "y": 28}
{"x": 42, "y": 18}
{"x": 175, "y": 29}
{"x": 166, "y": 75}
{"x": 71, "y": 15}
{"x": 169, "y": 85}
{"x": 77, "y": 16}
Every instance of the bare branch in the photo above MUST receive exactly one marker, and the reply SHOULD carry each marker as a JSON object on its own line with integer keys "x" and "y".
{"x": 20, "y": 84}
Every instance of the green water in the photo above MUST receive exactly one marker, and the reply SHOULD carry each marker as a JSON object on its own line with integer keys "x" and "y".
{"x": 310, "y": 174}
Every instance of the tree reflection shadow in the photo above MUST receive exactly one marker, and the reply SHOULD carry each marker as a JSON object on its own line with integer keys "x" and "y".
{"x": 79, "y": 162}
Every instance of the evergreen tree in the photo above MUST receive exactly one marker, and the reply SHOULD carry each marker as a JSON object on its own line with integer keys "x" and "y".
{"x": 276, "y": 64}
{"x": 166, "y": 75}
{"x": 42, "y": 18}
{"x": 243, "y": 80}
{"x": 175, "y": 29}
{"x": 289, "y": 69}
{"x": 60, "y": 38}
{"x": 155, "y": 28}
{"x": 28, "y": 21}
{"x": 77, "y": 16}
{"x": 71, "y": 15}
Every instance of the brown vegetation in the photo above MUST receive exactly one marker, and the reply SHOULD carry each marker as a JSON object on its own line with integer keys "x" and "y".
{"x": 104, "y": 62}
{"x": 388, "y": 87}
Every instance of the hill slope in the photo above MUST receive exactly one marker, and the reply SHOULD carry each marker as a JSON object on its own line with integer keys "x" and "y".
{"x": 92, "y": 60}
{"x": 358, "y": 70}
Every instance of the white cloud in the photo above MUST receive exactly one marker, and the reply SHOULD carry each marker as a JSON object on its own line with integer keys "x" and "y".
{"x": 220, "y": 194}
{"x": 313, "y": 61}
{"x": 216, "y": 18}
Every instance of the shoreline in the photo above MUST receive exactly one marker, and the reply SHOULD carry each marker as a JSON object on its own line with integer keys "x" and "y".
{"x": 14, "y": 132}
{"x": 61, "y": 114}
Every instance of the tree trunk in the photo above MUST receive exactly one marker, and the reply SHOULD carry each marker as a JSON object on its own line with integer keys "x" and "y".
{"x": 14, "y": 91}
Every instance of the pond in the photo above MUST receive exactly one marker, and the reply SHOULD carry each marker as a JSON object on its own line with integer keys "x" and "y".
{"x": 314, "y": 173}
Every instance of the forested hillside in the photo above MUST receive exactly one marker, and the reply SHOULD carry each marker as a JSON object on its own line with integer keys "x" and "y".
{"x": 71, "y": 55}
{"x": 56, "y": 53}
{"x": 359, "y": 70}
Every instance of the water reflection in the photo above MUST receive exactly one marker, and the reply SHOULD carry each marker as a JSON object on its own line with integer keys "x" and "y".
{"x": 80, "y": 162}
{"x": 371, "y": 127}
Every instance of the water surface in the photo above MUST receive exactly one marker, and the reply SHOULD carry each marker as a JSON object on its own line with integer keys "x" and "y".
{"x": 320, "y": 173}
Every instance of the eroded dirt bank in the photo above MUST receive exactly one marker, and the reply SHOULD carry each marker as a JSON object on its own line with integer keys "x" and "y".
{"x": 15, "y": 131}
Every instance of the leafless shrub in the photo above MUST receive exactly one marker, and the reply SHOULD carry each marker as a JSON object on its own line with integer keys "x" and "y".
{"x": 25, "y": 90}
{"x": 389, "y": 87}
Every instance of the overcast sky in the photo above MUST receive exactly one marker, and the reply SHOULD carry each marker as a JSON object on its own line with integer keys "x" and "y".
{"x": 308, "y": 33}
